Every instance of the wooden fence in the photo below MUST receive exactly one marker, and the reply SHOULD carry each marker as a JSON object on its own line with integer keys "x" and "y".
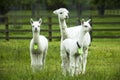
{"x": 50, "y": 23}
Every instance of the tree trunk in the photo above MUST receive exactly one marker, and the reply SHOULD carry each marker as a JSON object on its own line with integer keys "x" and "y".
{"x": 3, "y": 11}
{"x": 79, "y": 12}
{"x": 101, "y": 10}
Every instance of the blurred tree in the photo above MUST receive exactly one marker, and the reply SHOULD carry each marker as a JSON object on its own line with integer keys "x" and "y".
{"x": 6, "y": 4}
{"x": 54, "y": 4}
{"x": 100, "y": 4}
{"x": 113, "y": 4}
{"x": 80, "y": 5}
{"x": 103, "y": 4}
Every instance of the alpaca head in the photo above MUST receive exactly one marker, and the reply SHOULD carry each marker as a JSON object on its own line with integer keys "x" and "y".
{"x": 36, "y": 25}
{"x": 86, "y": 25}
{"x": 62, "y": 13}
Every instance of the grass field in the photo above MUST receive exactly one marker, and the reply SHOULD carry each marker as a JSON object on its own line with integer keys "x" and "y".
{"x": 103, "y": 58}
{"x": 103, "y": 61}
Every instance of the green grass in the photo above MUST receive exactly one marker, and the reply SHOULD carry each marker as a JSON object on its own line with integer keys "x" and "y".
{"x": 103, "y": 61}
{"x": 103, "y": 58}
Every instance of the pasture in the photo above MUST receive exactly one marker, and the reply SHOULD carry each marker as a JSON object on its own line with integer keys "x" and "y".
{"x": 103, "y": 61}
{"x": 103, "y": 58}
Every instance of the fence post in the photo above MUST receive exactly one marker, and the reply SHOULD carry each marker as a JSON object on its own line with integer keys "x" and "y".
{"x": 91, "y": 30}
{"x": 78, "y": 20}
{"x": 6, "y": 29}
{"x": 50, "y": 28}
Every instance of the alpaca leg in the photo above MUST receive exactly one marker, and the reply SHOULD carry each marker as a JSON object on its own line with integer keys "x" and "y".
{"x": 80, "y": 63}
{"x": 65, "y": 63}
{"x": 40, "y": 61}
{"x": 33, "y": 61}
{"x": 72, "y": 65}
{"x": 44, "y": 58}
{"x": 77, "y": 65}
{"x": 85, "y": 60}
{"x": 36, "y": 62}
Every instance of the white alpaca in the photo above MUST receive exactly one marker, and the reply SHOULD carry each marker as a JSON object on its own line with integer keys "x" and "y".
{"x": 71, "y": 32}
{"x": 62, "y": 15}
{"x": 74, "y": 52}
{"x": 38, "y": 46}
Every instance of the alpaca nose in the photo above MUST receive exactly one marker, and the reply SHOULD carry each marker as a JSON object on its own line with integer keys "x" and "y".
{"x": 67, "y": 17}
{"x": 35, "y": 29}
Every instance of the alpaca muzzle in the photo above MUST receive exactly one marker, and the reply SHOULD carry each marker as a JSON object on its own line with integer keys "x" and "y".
{"x": 66, "y": 17}
{"x": 35, "y": 30}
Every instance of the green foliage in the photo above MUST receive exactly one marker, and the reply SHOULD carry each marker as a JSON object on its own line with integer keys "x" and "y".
{"x": 107, "y": 3}
{"x": 54, "y": 4}
{"x": 101, "y": 5}
{"x": 6, "y": 4}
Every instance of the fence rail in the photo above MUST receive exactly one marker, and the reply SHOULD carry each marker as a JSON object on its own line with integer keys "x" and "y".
{"x": 49, "y": 22}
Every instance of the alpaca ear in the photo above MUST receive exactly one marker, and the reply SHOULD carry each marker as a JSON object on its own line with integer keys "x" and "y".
{"x": 40, "y": 20}
{"x": 66, "y": 10}
{"x": 89, "y": 20}
{"x": 55, "y": 11}
{"x": 82, "y": 21}
{"x": 31, "y": 21}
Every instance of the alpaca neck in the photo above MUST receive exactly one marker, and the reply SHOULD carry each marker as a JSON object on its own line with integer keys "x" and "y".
{"x": 62, "y": 24}
{"x": 81, "y": 36}
{"x": 63, "y": 27}
{"x": 36, "y": 37}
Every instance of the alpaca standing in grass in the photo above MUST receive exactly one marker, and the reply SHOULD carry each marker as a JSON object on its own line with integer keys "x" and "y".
{"x": 38, "y": 46}
{"x": 74, "y": 52}
{"x": 71, "y": 33}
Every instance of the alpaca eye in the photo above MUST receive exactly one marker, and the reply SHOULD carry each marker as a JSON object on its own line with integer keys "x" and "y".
{"x": 60, "y": 12}
{"x": 86, "y": 26}
{"x": 32, "y": 26}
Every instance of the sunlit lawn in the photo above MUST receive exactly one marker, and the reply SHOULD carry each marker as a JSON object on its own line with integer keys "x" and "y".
{"x": 103, "y": 61}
